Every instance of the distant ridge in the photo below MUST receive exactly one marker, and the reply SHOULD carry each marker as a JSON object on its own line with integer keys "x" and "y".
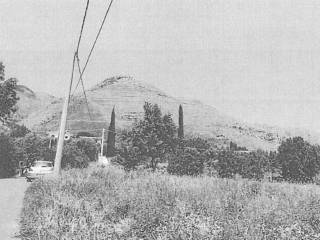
{"x": 42, "y": 112}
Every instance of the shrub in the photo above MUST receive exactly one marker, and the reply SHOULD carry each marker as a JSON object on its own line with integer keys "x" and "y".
{"x": 253, "y": 165}
{"x": 32, "y": 147}
{"x": 227, "y": 164}
{"x": 198, "y": 143}
{"x": 188, "y": 161}
{"x": 7, "y": 165}
{"x": 73, "y": 157}
{"x": 76, "y": 153}
{"x": 129, "y": 158}
{"x": 18, "y": 130}
{"x": 88, "y": 147}
{"x": 298, "y": 159}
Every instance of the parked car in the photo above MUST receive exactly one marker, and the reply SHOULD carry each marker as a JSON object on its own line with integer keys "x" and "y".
{"x": 38, "y": 169}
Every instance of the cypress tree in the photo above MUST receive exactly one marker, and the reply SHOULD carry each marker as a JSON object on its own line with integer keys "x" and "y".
{"x": 180, "y": 130}
{"x": 111, "y": 135}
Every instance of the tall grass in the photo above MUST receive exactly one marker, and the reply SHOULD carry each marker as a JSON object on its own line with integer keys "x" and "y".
{"x": 108, "y": 203}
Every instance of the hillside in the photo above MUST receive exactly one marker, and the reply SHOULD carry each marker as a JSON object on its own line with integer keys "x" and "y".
{"x": 41, "y": 112}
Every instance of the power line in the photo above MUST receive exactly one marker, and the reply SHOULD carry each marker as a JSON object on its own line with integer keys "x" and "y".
{"x": 82, "y": 26}
{"x": 83, "y": 89}
{"x": 93, "y": 46}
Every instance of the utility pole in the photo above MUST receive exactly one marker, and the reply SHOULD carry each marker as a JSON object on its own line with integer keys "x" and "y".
{"x": 102, "y": 142}
{"x": 57, "y": 160}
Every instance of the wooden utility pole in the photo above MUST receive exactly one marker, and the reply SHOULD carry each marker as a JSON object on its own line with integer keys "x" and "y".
{"x": 102, "y": 141}
{"x": 57, "y": 160}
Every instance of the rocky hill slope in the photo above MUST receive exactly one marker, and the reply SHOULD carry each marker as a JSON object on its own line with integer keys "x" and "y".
{"x": 41, "y": 112}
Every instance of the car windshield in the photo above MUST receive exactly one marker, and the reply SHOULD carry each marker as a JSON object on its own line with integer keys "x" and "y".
{"x": 42, "y": 164}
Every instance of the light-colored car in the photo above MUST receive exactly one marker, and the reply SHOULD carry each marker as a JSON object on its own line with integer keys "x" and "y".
{"x": 38, "y": 169}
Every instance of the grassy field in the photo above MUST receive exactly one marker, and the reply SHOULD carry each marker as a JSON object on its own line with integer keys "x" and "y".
{"x": 100, "y": 203}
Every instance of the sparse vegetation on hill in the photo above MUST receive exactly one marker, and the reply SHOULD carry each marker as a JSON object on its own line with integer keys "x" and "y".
{"x": 108, "y": 203}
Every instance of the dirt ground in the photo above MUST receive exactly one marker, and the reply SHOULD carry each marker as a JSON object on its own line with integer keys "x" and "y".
{"x": 11, "y": 198}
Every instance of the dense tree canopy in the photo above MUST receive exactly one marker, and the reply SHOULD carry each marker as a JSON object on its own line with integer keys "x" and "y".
{"x": 8, "y": 96}
{"x": 298, "y": 159}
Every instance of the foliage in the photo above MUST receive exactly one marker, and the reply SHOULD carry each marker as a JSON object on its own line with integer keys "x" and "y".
{"x": 234, "y": 147}
{"x": 32, "y": 148}
{"x": 151, "y": 138}
{"x": 88, "y": 147}
{"x": 73, "y": 157}
{"x": 111, "y": 136}
{"x": 189, "y": 157}
{"x": 7, "y": 166}
{"x": 18, "y": 130}
{"x": 227, "y": 165}
{"x": 8, "y": 96}
{"x": 198, "y": 143}
{"x": 180, "y": 129}
{"x": 186, "y": 161}
{"x": 298, "y": 159}
{"x": 129, "y": 158}
{"x": 76, "y": 153}
{"x": 107, "y": 203}
{"x": 252, "y": 165}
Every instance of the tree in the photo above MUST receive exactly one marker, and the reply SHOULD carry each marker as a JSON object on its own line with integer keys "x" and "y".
{"x": 7, "y": 166}
{"x": 298, "y": 159}
{"x": 111, "y": 136}
{"x": 8, "y": 96}
{"x": 180, "y": 129}
{"x": 153, "y": 137}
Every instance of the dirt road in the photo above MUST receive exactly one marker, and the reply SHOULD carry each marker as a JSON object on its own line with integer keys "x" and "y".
{"x": 11, "y": 197}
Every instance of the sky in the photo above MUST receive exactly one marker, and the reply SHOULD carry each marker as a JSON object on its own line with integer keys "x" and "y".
{"x": 256, "y": 60}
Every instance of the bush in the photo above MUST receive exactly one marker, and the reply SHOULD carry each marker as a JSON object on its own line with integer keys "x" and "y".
{"x": 197, "y": 143}
{"x": 18, "y": 131}
{"x": 73, "y": 157}
{"x": 32, "y": 148}
{"x": 7, "y": 165}
{"x": 129, "y": 158}
{"x": 227, "y": 164}
{"x": 252, "y": 165}
{"x": 188, "y": 161}
{"x": 89, "y": 147}
{"x": 298, "y": 159}
{"x": 76, "y": 153}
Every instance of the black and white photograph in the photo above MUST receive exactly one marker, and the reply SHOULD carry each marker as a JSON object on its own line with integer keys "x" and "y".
{"x": 160, "y": 120}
